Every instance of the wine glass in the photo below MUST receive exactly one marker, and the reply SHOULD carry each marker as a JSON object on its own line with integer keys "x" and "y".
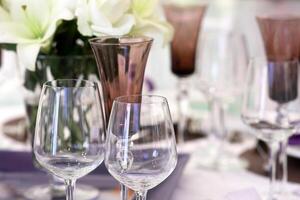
{"x": 270, "y": 105}
{"x": 222, "y": 68}
{"x": 141, "y": 146}
{"x": 70, "y": 131}
{"x": 186, "y": 21}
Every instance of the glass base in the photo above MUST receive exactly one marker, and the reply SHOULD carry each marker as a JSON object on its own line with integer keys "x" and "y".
{"x": 289, "y": 195}
{"x": 211, "y": 157}
{"x": 82, "y": 192}
{"x": 281, "y": 196}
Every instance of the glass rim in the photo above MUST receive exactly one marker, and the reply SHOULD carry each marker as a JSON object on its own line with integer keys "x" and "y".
{"x": 54, "y": 57}
{"x": 158, "y": 98}
{"x": 133, "y": 40}
{"x": 254, "y": 59}
{"x": 89, "y": 84}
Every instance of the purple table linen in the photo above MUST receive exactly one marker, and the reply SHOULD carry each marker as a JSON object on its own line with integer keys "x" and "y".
{"x": 17, "y": 169}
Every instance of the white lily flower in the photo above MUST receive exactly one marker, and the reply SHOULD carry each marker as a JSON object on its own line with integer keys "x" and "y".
{"x": 31, "y": 25}
{"x": 150, "y": 21}
{"x": 104, "y": 17}
{"x": 186, "y": 2}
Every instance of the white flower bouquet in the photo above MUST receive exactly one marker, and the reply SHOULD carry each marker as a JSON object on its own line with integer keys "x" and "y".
{"x": 63, "y": 27}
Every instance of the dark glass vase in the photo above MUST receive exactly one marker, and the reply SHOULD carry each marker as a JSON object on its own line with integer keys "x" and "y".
{"x": 54, "y": 67}
{"x": 48, "y": 68}
{"x": 186, "y": 21}
{"x": 121, "y": 65}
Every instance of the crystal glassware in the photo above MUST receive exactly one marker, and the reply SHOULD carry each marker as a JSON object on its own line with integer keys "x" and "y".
{"x": 70, "y": 130}
{"x": 140, "y": 147}
{"x": 47, "y": 68}
{"x": 270, "y": 105}
{"x": 279, "y": 31}
{"x": 186, "y": 21}
{"x": 222, "y": 70}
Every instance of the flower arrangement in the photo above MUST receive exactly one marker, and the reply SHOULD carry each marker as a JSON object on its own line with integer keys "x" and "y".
{"x": 63, "y": 27}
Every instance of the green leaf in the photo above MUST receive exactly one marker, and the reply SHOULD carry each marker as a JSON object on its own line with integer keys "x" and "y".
{"x": 9, "y": 47}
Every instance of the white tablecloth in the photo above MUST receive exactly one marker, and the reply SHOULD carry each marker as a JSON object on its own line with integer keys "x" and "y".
{"x": 204, "y": 184}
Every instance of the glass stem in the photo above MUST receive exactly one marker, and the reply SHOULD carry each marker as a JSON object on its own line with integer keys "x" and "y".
{"x": 124, "y": 192}
{"x": 70, "y": 189}
{"x": 273, "y": 153}
{"x": 142, "y": 195}
{"x": 284, "y": 162}
{"x": 218, "y": 126}
{"x": 282, "y": 118}
{"x": 182, "y": 100}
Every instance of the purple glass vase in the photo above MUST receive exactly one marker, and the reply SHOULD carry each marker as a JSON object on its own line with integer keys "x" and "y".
{"x": 187, "y": 24}
{"x": 121, "y": 63}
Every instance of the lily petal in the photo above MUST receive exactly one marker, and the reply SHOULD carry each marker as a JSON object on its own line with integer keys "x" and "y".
{"x": 27, "y": 55}
{"x": 98, "y": 17}
{"x": 144, "y": 8}
{"x": 115, "y": 9}
{"x": 4, "y": 15}
{"x": 83, "y": 18}
{"x": 13, "y": 32}
{"x": 63, "y": 9}
{"x": 155, "y": 25}
{"x": 123, "y": 27}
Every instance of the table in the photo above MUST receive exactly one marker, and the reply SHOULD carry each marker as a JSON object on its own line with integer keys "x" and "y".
{"x": 204, "y": 184}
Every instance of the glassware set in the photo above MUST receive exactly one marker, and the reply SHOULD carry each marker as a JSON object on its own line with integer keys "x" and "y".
{"x": 70, "y": 136}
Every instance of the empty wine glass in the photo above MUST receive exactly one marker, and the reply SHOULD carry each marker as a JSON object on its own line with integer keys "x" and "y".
{"x": 271, "y": 105}
{"x": 140, "y": 147}
{"x": 70, "y": 131}
{"x": 222, "y": 69}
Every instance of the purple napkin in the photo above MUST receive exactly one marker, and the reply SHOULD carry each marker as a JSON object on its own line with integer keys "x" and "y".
{"x": 19, "y": 170}
{"x": 166, "y": 189}
{"x": 294, "y": 140}
{"x": 14, "y": 161}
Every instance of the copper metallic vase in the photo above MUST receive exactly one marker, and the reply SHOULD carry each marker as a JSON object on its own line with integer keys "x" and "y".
{"x": 121, "y": 63}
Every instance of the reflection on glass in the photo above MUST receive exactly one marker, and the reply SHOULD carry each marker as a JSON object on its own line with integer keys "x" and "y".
{"x": 141, "y": 146}
{"x": 70, "y": 130}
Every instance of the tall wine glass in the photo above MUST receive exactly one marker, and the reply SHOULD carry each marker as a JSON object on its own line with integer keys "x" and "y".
{"x": 222, "y": 69}
{"x": 141, "y": 146}
{"x": 70, "y": 131}
{"x": 270, "y": 105}
{"x": 186, "y": 21}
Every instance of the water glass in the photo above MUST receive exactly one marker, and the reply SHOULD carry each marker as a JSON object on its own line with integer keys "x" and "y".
{"x": 70, "y": 130}
{"x": 141, "y": 147}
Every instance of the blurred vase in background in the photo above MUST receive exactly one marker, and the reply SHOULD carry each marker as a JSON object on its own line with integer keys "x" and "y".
{"x": 48, "y": 68}
{"x": 186, "y": 20}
